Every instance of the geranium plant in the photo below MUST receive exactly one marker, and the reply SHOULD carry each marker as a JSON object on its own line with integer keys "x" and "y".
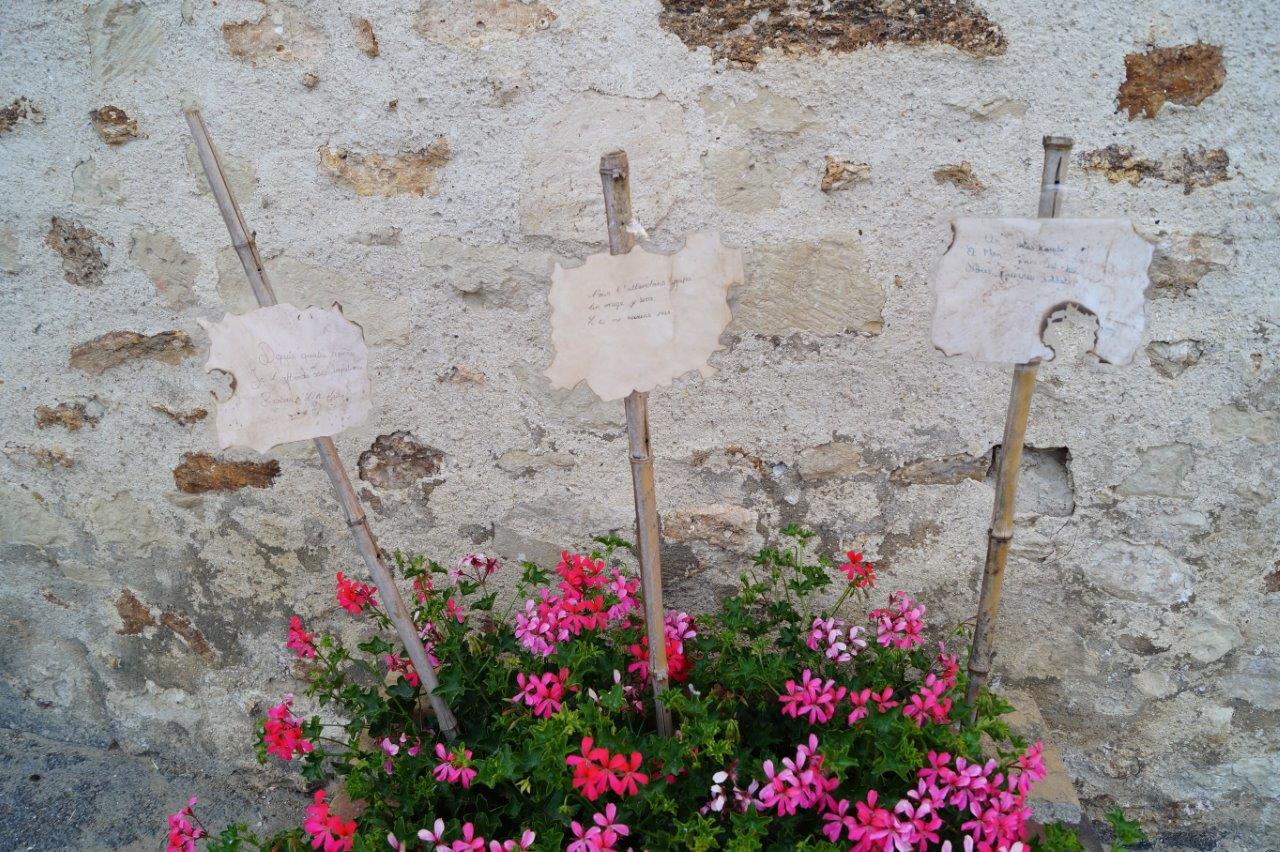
{"x": 811, "y": 712}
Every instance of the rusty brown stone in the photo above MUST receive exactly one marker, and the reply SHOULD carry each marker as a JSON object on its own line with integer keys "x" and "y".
{"x": 366, "y": 38}
{"x": 182, "y": 418}
{"x": 113, "y": 125}
{"x": 82, "y": 261}
{"x": 134, "y": 614}
{"x": 188, "y": 632}
{"x": 1272, "y": 581}
{"x": 1191, "y": 169}
{"x": 20, "y": 110}
{"x": 460, "y": 374}
{"x": 1184, "y": 75}
{"x": 283, "y": 33}
{"x": 116, "y": 347}
{"x": 960, "y": 174}
{"x": 72, "y": 416}
{"x": 841, "y": 175}
{"x": 399, "y": 460}
{"x": 51, "y": 457}
{"x": 947, "y": 470}
{"x": 741, "y": 30}
{"x": 412, "y": 172}
{"x": 199, "y": 473}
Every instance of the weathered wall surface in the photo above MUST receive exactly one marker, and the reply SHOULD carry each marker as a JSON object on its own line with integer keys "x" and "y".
{"x": 424, "y": 164}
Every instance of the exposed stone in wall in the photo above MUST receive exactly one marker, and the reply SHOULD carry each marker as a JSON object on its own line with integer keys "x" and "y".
{"x": 460, "y": 374}
{"x": 383, "y": 318}
{"x": 1192, "y": 169}
{"x": 960, "y": 175}
{"x": 1170, "y": 358}
{"x": 182, "y": 418}
{"x": 742, "y": 183}
{"x": 82, "y": 261}
{"x": 89, "y": 187}
{"x": 1145, "y": 573}
{"x": 523, "y": 463}
{"x": 726, "y": 526}
{"x": 741, "y": 30}
{"x": 199, "y": 473}
{"x": 10, "y": 252}
{"x": 282, "y": 33}
{"x": 399, "y": 460}
{"x": 46, "y": 458}
{"x": 124, "y": 38}
{"x": 819, "y": 287}
{"x": 116, "y": 347}
{"x": 1160, "y": 473}
{"x": 1180, "y": 262}
{"x": 1236, "y": 421}
{"x": 1271, "y": 583}
{"x": 835, "y": 459}
{"x": 121, "y": 521}
{"x": 560, "y": 194}
{"x": 766, "y": 113}
{"x": 842, "y": 174}
{"x": 20, "y": 111}
{"x": 366, "y": 38}
{"x": 135, "y": 616}
{"x": 388, "y": 235}
{"x": 72, "y": 416}
{"x": 1045, "y": 486}
{"x": 496, "y": 275}
{"x": 172, "y": 269}
{"x": 242, "y": 176}
{"x": 113, "y": 125}
{"x": 947, "y": 470}
{"x": 1184, "y": 75}
{"x": 188, "y": 633}
{"x": 1209, "y": 637}
{"x": 473, "y": 23}
{"x": 992, "y": 109}
{"x": 409, "y": 172}
{"x": 25, "y": 518}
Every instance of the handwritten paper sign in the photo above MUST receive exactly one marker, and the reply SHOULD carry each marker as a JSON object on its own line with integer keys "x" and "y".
{"x": 297, "y": 373}
{"x": 637, "y": 320}
{"x": 1002, "y": 278}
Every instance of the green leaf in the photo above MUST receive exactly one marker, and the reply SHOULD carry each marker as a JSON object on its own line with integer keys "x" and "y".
{"x": 1127, "y": 832}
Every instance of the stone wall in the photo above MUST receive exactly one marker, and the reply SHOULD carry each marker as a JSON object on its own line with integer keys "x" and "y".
{"x": 424, "y": 161}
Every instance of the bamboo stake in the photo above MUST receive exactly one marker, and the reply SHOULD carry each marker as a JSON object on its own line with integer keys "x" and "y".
{"x": 1000, "y": 535}
{"x": 357, "y": 521}
{"x": 616, "y": 179}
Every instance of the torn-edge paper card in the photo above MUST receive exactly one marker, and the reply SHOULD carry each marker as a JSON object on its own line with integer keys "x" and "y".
{"x": 296, "y": 374}
{"x": 1001, "y": 279}
{"x": 631, "y": 322}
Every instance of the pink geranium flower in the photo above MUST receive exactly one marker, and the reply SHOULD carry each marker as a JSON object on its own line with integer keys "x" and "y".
{"x": 861, "y": 574}
{"x": 901, "y": 624}
{"x": 183, "y": 834}
{"x": 300, "y": 641}
{"x": 354, "y": 596}
{"x": 812, "y": 697}
{"x": 282, "y": 732}
{"x": 544, "y": 692}
{"x": 454, "y": 767}
{"x": 326, "y": 830}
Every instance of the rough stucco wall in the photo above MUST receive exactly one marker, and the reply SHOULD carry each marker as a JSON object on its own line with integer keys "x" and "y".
{"x": 1143, "y": 598}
